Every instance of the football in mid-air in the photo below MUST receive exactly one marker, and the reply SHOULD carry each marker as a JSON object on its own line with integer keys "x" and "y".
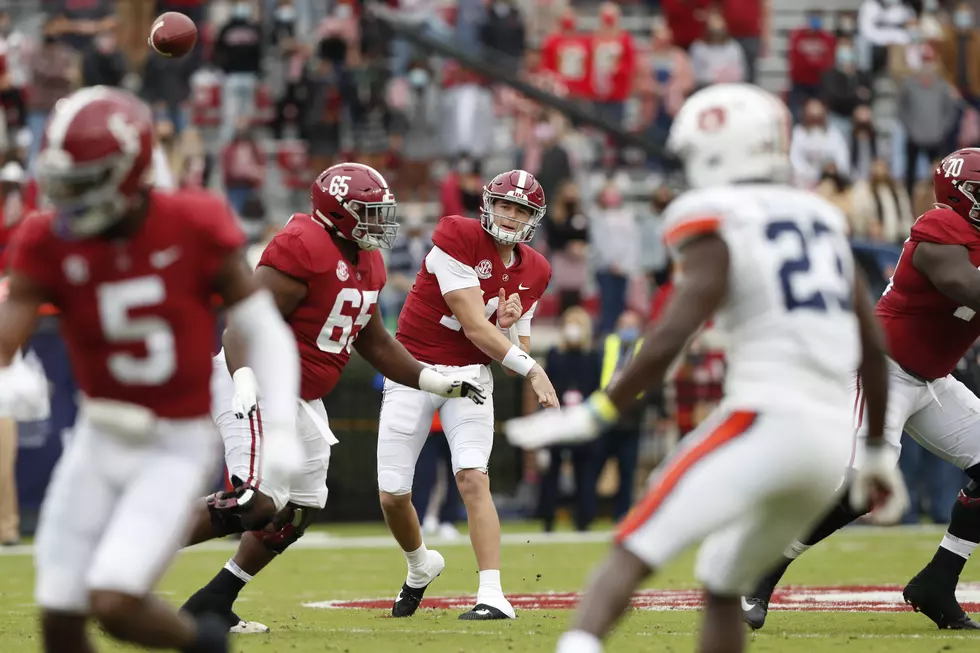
{"x": 173, "y": 34}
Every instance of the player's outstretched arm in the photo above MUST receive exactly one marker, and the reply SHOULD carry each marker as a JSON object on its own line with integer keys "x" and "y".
{"x": 393, "y": 361}
{"x": 468, "y": 309}
{"x": 270, "y": 350}
{"x": 697, "y": 295}
{"x": 949, "y": 269}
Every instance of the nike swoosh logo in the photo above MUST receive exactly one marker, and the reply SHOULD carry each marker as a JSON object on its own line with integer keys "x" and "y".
{"x": 164, "y": 257}
{"x": 746, "y": 606}
{"x": 520, "y": 286}
{"x": 483, "y": 612}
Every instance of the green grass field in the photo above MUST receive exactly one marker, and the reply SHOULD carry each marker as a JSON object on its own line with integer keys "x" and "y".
{"x": 347, "y": 563}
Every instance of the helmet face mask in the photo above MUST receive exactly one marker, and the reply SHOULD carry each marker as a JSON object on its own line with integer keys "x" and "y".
{"x": 377, "y": 225}
{"x": 513, "y": 206}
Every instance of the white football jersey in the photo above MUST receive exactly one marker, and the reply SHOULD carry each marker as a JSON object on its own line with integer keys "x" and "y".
{"x": 792, "y": 336}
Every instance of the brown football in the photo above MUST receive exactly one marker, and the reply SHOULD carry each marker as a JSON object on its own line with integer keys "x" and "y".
{"x": 173, "y": 34}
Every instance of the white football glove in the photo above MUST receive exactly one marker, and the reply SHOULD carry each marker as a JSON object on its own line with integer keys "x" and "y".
{"x": 879, "y": 484}
{"x": 246, "y": 398}
{"x": 554, "y": 426}
{"x": 24, "y": 390}
{"x": 443, "y": 386}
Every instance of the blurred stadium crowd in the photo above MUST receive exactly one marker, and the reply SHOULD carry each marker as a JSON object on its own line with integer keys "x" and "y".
{"x": 279, "y": 89}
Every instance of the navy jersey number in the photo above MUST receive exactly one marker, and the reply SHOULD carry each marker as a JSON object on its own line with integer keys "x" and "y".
{"x": 801, "y": 265}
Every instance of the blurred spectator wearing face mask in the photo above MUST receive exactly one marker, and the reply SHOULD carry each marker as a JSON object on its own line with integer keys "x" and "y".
{"x": 545, "y": 157}
{"x": 104, "y": 63}
{"x": 55, "y": 71}
{"x": 238, "y": 53}
{"x": 622, "y": 442}
{"x": 653, "y": 255}
{"x": 461, "y": 192}
{"x": 665, "y": 81}
{"x": 614, "y": 236}
{"x": 882, "y": 208}
{"x": 567, "y": 232}
{"x": 718, "y": 59}
{"x": 413, "y": 243}
{"x": 418, "y": 121}
{"x": 928, "y": 113}
{"x": 289, "y": 89}
{"x": 745, "y": 20}
{"x": 883, "y": 23}
{"x": 814, "y": 144}
{"x": 864, "y": 143}
{"x": 613, "y": 58}
{"x": 843, "y": 88}
{"x": 959, "y": 52}
{"x": 811, "y": 54}
{"x": 566, "y": 52}
{"x": 323, "y": 112}
{"x": 243, "y": 165}
{"x": 575, "y": 367}
{"x": 836, "y": 189}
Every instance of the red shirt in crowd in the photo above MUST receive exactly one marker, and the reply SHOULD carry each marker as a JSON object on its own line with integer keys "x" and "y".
{"x": 743, "y": 17}
{"x": 811, "y": 53}
{"x": 613, "y": 67}
{"x": 685, "y": 19}
{"x": 569, "y": 56}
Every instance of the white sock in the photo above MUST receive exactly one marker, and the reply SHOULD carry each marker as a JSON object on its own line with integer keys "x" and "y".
{"x": 235, "y": 569}
{"x": 962, "y": 548}
{"x": 490, "y": 581}
{"x": 418, "y": 557}
{"x": 795, "y": 550}
{"x": 579, "y": 641}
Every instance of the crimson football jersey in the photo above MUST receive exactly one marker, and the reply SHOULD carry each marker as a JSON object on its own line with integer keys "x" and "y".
{"x": 137, "y": 315}
{"x": 427, "y": 327}
{"x": 340, "y": 300}
{"x": 927, "y": 332}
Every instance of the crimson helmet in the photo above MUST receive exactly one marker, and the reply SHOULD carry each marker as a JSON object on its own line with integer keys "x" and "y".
{"x": 97, "y": 148}
{"x": 518, "y": 187}
{"x": 353, "y": 200}
{"x": 956, "y": 181}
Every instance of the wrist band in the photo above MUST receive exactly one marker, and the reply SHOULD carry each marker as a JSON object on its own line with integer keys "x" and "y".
{"x": 518, "y": 361}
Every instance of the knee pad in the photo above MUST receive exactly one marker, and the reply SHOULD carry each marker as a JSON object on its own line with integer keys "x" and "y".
{"x": 239, "y": 510}
{"x": 287, "y": 526}
{"x": 471, "y": 459}
{"x": 391, "y": 482}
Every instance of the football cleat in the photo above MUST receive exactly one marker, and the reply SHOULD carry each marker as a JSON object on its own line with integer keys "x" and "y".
{"x": 484, "y": 612}
{"x": 248, "y": 628}
{"x": 754, "y": 612}
{"x": 410, "y": 598}
{"x": 929, "y": 597}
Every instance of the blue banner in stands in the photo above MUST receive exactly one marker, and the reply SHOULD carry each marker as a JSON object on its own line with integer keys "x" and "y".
{"x": 40, "y": 443}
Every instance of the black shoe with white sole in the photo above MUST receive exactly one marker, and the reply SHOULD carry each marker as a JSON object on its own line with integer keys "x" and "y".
{"x": 938, "y": 602}
{"x": 754, "y": 612}
{"x": 407, "y": 601}
{"x": 483, "y": 612}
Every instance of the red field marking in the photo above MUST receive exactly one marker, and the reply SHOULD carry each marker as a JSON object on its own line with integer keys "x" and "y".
{"x": 864, "y": 598}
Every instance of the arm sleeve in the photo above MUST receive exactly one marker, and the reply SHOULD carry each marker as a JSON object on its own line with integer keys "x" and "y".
{"x": 524, "y": 323}
{"x": 450, "y": 273}
{"x": 26, "y": 253}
